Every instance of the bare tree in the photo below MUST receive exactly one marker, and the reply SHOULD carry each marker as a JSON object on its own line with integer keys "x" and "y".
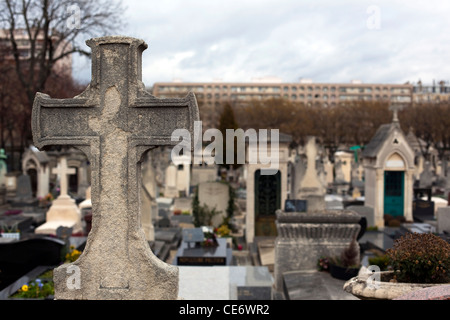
{"x": 51, "y": 30}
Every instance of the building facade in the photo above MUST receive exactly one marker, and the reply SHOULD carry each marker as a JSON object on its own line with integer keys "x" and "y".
{"x": 307, "y": 92}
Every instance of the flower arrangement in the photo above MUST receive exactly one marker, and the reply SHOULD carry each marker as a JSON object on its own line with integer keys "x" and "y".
{"x": 420, "y": 258}
{"x": 210, "y": 240}
{"x": 47, "y": 199}
{"x": 223, "y": 231}
{"x": 4, "y": 228}
{"x": 72, "y": 255}
{"x": 40, "y": 288}
{"x": 323, "y": 264}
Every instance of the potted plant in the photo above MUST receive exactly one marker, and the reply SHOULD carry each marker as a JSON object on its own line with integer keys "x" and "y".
{"x": 10, "y": 231}
{"x": 347, "y": 265}
{"x": 415, "y": 261}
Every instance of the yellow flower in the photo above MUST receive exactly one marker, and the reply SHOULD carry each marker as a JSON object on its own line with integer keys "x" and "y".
{"x": 24, "y": 288}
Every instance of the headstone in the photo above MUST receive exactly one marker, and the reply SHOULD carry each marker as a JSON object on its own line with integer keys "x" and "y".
{"x": 426, "y": 177}
{"x": 23, "y": 191}
{"x": 194, "y": 235}
{"x": 114, "y": 122}
{"x": 292, "y": 205}
{"x": 443, "y": 220}
{"x": 63, "y": 211}
{"x": 148, "y": 203}
{"x": 250, "y": 283}
{"x": 183, "y": 204}
{"x": 11, "y": 186}
{"x": 423, "y": 207}
{"x": 214, "y": 195}
{"x": 170, "y": 190}
{"x": 203, "y": 173}
{"x": 311, "y": 189}
{"x": 188, "y": 255}
{"x": 299, "y": 172}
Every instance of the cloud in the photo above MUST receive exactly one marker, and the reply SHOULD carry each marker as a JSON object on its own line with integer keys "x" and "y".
{"x": 327, "y": 41}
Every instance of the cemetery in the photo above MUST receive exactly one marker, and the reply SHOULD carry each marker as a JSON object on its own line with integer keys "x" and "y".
{"x": 101, "y": 211}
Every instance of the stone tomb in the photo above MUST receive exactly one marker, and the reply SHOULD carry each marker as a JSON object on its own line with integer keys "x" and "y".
{"x": 114, "y": 122}
{"x": 388, "y": 162}
{"x": 192, "y": 252}
{"x": 304, "y": 237}
{"x": 214, "y": 195}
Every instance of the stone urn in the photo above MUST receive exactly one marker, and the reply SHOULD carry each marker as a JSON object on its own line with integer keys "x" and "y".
{"x": 364, "y": 287}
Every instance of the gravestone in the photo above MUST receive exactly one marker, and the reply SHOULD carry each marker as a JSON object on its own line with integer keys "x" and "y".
{"x": 170, "y": 188}
{"x": 24, "y": 194}
{"x": 198, "y": 255}
{"x": 292, "y": 205}
{"x": 298, "y": 172}
{"x": 214, "y": 195}
{"x": 63, "y": 211}
{"x": 149, "y": 207}
{"x": 423, "y": 209}
{"x": 114, "y": 122}
{"x": 426, "y": 177}
{"x": 443, "y": 220}
{"x": 311, "y": 188}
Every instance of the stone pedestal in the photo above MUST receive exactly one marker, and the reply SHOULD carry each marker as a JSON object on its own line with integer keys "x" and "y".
{"x": 63, "y": 212}
{"x": 304, "y": 237}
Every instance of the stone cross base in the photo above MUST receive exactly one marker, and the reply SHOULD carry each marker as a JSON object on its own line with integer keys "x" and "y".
{"x": 63, "y": 212}
{"x": 303, "y": 238}
{"x": 147, "y": 278}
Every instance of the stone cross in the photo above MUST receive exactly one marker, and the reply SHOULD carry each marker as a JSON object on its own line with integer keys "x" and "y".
{"x": 63, "y": 171}
{"x": 395, "y": 108}
{"x": 114, "y": 122}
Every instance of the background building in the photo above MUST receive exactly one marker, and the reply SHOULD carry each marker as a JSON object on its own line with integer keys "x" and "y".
{"x": 305, "y": 91}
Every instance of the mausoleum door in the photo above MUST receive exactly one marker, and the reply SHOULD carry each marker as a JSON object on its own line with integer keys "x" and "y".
{"x": 267, "y": 201}
{"x": 33, "y": 178}
{"x": 394, "y": 182}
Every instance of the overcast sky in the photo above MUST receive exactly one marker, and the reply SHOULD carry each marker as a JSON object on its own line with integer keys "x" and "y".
{"x": 323, "y": 40}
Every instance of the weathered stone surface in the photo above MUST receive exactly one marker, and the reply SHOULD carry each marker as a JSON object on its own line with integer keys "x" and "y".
{"x": 371, "y": 289}
{"x": 114, "y": 122}
{"x": 304, "y": 237}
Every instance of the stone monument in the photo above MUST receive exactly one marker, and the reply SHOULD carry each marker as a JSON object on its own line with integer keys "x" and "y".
{"x": 311, "y": 188}
{"x": 114, "y": 122}
{"x": 304, "y": 237}
{"x": 63, "y": 212}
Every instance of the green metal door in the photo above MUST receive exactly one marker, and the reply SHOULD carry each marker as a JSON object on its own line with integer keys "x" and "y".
{"x": 394, "y": 192}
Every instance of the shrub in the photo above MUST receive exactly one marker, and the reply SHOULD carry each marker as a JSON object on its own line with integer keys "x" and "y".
{"x": 420, "y": 258}
{"x": 394, "y": 223}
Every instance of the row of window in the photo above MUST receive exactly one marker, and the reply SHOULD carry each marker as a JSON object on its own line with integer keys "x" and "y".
{"x": 301, "y": 97}
{"x": 277, "y": 89}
